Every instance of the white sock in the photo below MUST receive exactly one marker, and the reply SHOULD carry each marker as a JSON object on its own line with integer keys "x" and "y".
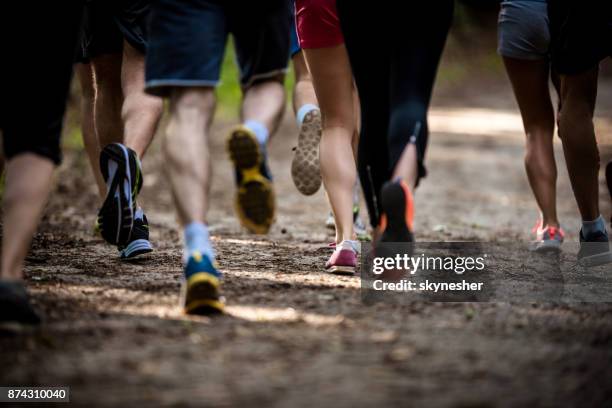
{"x": 590, "y": 227}
{"x": 302, "y": 111}
{"x": 349, "y": 244}
{"x": 197, "y": 239}
{"x": 260, "y": 130}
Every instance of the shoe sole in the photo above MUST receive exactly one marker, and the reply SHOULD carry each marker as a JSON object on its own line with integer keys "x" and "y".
{"x": 135, "y": 249}
{"x": 341, "y": 270}
{"x": 305, "y": 167}
{"x": 116, "y": 216}
{"x": 255, "y": 201}
{"x": 201, "y": 295}
{"x": 545, "y": 246}
{"x": 596, "y": 260}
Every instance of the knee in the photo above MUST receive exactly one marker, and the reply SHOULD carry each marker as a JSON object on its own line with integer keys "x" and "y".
{"x": 574, "y": 119}
{"x": 187, "y": 103}
{"x": 141, "y": 104}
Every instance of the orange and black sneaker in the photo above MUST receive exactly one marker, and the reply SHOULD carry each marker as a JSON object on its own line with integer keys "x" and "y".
{"x": 398, "y": 213}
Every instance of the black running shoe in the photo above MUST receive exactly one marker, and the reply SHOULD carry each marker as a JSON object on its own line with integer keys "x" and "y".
{"x": 594, "y": 249}
{"x": 139, "y": 242}
{"x": 255, "y": 201}
{"x": 15, "y": 304}
{"x": 121, "y": 170}
{"x": 397, "y": 206}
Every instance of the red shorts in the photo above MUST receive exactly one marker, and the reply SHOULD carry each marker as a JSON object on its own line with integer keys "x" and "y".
{"x": 317, "y": 23}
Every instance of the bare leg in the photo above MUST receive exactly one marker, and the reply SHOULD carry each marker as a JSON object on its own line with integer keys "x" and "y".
{"x": 407, "y": 166}
{"x": 530, "y": 83}
{"x": 303, "y": 91}
{"x": 28, "y": 181}
{"x": 333, "y": 83}
{"x": 90, "y": 139}
{"x": 140, "y": 112}
{"x": 578, "y": 94}
{"x": 264, "y": 102}
{"x": 109, "y": 98}
{"x": 186, "y": 151}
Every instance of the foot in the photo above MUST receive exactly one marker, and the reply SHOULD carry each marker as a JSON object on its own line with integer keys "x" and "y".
{"x": 255, "y": 202}
{"x": 594, "y": 249}
{"x": 122, "y": 173}
{"x": 15, "y": 304}
{"x": 343, "y": 260}
{"x": 547, "y": 239}
{"x": 201, "y": 287}
{"x": 397, "y": 206}
{"x": 305, "y": 169}
{"x": 139, "y": 242}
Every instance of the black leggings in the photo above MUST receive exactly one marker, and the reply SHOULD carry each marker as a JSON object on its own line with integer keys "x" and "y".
{"x": 394, "y": 47}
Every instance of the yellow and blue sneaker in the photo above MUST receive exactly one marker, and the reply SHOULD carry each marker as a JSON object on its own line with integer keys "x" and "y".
{"x": 255, "y": 201}
{"x": 201, "y": 286}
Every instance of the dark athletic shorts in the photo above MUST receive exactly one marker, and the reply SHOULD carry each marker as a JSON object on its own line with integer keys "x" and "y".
{"x": 581, "y": 34}
{"x": 106, "y": 23}
{"x": 187, "y": 41}
{"x": 34, "y": 85}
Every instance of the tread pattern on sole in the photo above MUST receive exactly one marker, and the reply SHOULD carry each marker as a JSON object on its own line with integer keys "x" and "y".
{"x": 305, "y": 166}
{"x": 203, "y": 298}
{"x": 255, "y": 199}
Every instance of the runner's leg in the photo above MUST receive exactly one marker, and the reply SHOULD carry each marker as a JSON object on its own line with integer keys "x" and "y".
{"x": 140, "y": 112}
{"x": 578, "y": 94}
{"x": 90, "y": 139}
{"x": 529, "y": 80}
{"x": 333, "y": 84}
{"x": 303, "y": 91}
{"x": 109, "y": 98}
{"x": 186, "y": 151}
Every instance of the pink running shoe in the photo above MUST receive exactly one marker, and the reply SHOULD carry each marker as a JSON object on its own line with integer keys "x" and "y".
{"x": 547, "y": 238}
{"x": 343, "y": 260}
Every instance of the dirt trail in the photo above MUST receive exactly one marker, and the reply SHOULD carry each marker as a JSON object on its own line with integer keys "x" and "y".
{"x": 293, "y": 335}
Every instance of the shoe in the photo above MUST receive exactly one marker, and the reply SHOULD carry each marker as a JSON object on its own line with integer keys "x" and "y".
{"x": 343, "y": 260}
{"x": 139, "y": 242}
{"x": 122, "y": 173}
{"x": 255, "y": 202}
{"x": 15, "y": 306}
{"x": 305, "y": 170}
{"x": 397, "y": 213}
{"x": 201, "y": 286}
{"x": 594, "y": 249}
{"x": 548, "y": 239}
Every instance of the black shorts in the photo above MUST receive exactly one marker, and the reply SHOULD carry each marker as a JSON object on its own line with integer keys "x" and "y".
{"x": 106, "y": 23}
{"x": 34, "y": 85}
{"x": 581, "y": 34}
{"x": 187, "y": 41}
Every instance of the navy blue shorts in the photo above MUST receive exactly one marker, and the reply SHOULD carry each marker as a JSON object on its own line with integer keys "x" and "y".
{"x": 187, "y": 41}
